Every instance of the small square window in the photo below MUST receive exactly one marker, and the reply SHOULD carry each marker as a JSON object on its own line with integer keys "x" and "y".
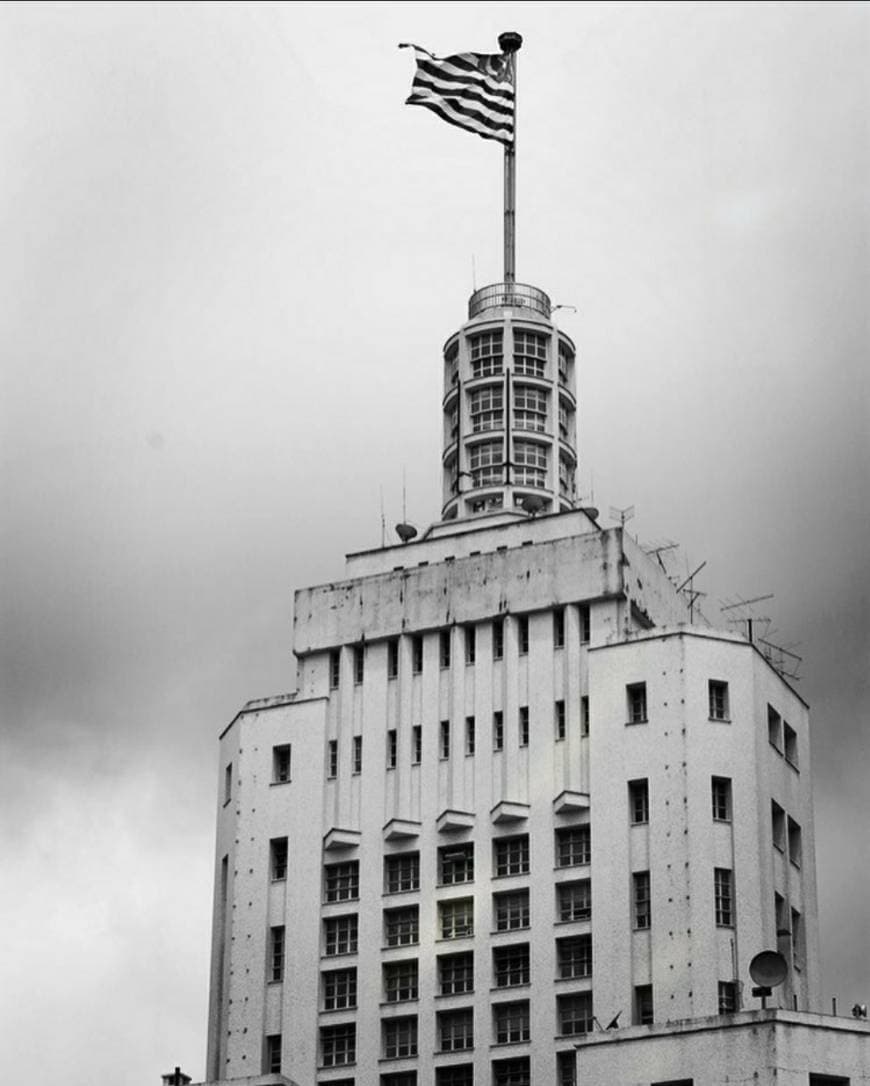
{"x": 402, "y": 926}
{"x": 401, "y": 872}
{"x": 392, "y": 749}
{"x": 339, "y": 989}
{"x": 636, "y": 699}
{"x": 774, "y": 728}
{"x": 498, "y": 730}
{"x": 281, "y": 764}
{"x": 357, "y": 754}
{"x": 469, "y": 735}
{"x": 455, "y": 864}
{"x": 340, "y": 935}
{"x": 790, "y": 742}
{"x": 359, "y": 659}
{"x": 444, "y": 743}
{"x": 456, "y": 1030}
{"x": 511, "y": 965}
{"x": 456, "y": 918}
{"x": 572, "y": 846}
{"x": 638, "y": 801}
{"x": 511, "y": 1022}
{"x": 511, "y": 910}
{"x": 574, "y": 956}
{"x": 515, "y": 1072}
{"x": 575, "y": 1013}
{"x": 278, "y": 858}
{"x": 523, "y": 635}
{"x": 559, "y": 719}
{"x": 455, "y": 1074}
{"x": 338, "y": 1045}
{"x": 574, "y": 900}
{"x": 721, "y": 797}
{"x": 511, "y": 855}
{"x": 400, "y": 1038}
{"x": 272, "y": 1057}
{"x": 566, "y": 1068}
{"x": 727, "y": 997}
{"x": 456, "y": 973}
{"x": 524, "y": 725}
{"x": 641, "y": 900}
{"x": 718, "y": 692}
{"x": 393, "y": 658}
{"x": 341, "y": 881}
{"x": 400, "y": 981}
{"x": 777, "y": 823}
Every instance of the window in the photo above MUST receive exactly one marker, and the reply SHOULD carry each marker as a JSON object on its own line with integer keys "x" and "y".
{"x": 636, "y": 699}
{"x": 575, "y": 956}
{"x": 394, "y": 1078}
{"x": 400, "y": 981}
{"x": 516, "y": 1072}
{"x": 511, "y": 855}
{"x": 281, "y": 764}
{"x": 334, "y": 669}
{"x": 444, "y": 740}
{"x": 278, "y": 858}
{"x": 498, "y": 730}
{"x": 565, "y": 360}
{"x": 444, "y": 648}
{"x": 357, "y": 754}
{"x": 774, "y": 728}
{"x": 572, "y": 846}
{"x": 339, "y": 989}
{"x": 559, "y": 719}
{"x": 392, "y": 749}
{"x": 402, "y": 926}
{"x": 797, "y": 940}
{"x": 523, "y": 635}
{"x": 487, "y": 408}
{"x": 401, "y": 872}
{"x": 641, "y": 899}
{"x": 276, "y": 953}
{"x": 585, "y": 624}
{"x": 642, "y": 1008}
{"x": 337, "y": 1045}
{"x": 720, "y": 788}
{"x": 574, "y": 900}
{"x": 718, "y": 700}
{"x": 510, "y": 965}
{"x": 566, "y": 463}
{"x": 791, "y": 746}
{"x": 566, "y": 1068}
{"x": 584, "y": 714}
{"x": 794, "y": 842}
{"x": 638, "y": 801}
{"x": 340, "y": 935}
{"x": 416, "y": 745}
{"x": 828, "y": 1080}
{"x": 332, "y": 759}
{"x": 724, "y": 891}
{"x": 559, "y": 628}
{"x": 511, "y": 1022}
{"x": 511, "y": 910}
{"x": 456, "y": 918}
{"x": 400, "y": 1037}
{"x": 781, "y": 920}
{"x": 498, "y": 639}
{"x": 777, "y": 822}
{"x": 455, "y": 864}
{"x": 359, "y": 659}
{"x": 524, "y": 725}
{"x": 342, "y": 881}
{"x": 456, "y": 1030}
{"x": 486, "y": 463}
{"x": 272, "y": 1058}
{"x": 530, "y": 408}
{"x": 455, "y": 1074}
{"x": 530, "y": 463}
{"x": 416, "y": 655}
{"x": 727, "y": 997}
{"x": 456, "y": 973}
{"x": 486, "y": 353}
{"x": 228, "y": 783}
{"x": 469, "y": 735}
{"x": 470, "y": 648}
{"x": 530, "y": 352}
{"x": 575, "y": 1013}
{"x": 393, "y": 658}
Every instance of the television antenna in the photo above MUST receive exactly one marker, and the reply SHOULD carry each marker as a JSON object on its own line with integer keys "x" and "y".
{"x": 657, "y": 548}
{"x": 691, "y": 593}
{"x": 622, "y": 515}
{"x": 405, "y": 531}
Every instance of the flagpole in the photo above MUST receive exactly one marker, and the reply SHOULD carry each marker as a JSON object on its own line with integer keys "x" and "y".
{"x": 510, "y": 43}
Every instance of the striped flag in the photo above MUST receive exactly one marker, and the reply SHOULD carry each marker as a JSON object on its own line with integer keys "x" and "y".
{"x": 474, "y": 91}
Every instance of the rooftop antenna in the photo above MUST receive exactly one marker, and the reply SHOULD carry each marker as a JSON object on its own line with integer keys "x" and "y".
{"x": 692, "y": 593}
{"x": 750, "y": 620}
{"x": 383, "y": 520}
{"x": 473, "y": 274}
{"x": 405, "y": 531}
{"x": 562, "y": 305}
{"x": 622, "y": 515}
{"x": 657, "y": 548}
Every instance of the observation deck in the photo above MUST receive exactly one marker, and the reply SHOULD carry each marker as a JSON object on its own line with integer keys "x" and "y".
{"x": 509, "y": 296}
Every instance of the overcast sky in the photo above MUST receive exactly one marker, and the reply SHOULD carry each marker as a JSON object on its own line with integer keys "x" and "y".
{"x": 229, "y": 259}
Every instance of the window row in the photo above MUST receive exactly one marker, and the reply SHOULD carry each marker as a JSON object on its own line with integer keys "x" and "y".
{"x": 720, "y": 801}
{"x": 445, "y": 646}
{"x": 723, "y": 895}
{"x": 782, "y": 736}
{"x": 636, "y": 702}
{"x": 511, "y": 1024}
{"x": 511, "y": 912}
{"x": 786, "y": 833}
{"x": 530, "y": 354}
{"x": 529, "y": 409}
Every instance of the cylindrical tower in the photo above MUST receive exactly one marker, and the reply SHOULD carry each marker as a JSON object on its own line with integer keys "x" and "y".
{"x": 509, "y": 407}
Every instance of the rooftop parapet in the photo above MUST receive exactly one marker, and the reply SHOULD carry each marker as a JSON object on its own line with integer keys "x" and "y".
{"x": 509, "y": 296}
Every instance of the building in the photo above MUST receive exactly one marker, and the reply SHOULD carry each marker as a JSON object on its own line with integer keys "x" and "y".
{"x": 517, "y": 795}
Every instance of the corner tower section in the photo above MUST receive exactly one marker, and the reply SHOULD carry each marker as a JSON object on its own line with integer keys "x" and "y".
{"x": 510, "y": 407}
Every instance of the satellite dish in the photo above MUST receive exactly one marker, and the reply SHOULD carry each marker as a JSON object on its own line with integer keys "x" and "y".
{"x": 859, "y": 1010}
{"x": 533, "y": 504}
{"x": 405, "y": 532}
{"x": 591, "y": 511}
{"x": 768, "y": 969}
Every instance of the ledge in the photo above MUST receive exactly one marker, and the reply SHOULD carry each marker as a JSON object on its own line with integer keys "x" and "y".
{"x": 398, "y": 829}
{"x": 338, "y": 838}
{"x": 509, "y": 811}
{"x": 566, "y": 802}
{"x": 450, "y": 821}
